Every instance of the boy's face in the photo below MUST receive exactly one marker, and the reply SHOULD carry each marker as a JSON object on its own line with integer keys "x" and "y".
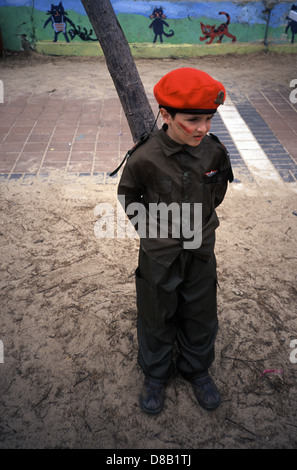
{"x": 187, "y": 128}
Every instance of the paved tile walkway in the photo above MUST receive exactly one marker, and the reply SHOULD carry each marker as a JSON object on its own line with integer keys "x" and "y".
{"x": 273, "y": 121}
{"x": 44, "y": 137}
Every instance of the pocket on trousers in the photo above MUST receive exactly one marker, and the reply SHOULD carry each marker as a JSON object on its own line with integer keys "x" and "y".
{"x": 144, "y": 299}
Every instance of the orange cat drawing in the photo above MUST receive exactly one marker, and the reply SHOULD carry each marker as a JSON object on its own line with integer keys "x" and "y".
{"x": 211, "y": 32}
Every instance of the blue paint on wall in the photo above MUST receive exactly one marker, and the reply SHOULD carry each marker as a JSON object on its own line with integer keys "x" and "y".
{"x": 248, "y": 21}
{"x": 250, "y": 13}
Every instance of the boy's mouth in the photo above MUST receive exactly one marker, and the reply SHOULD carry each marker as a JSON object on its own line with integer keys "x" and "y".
{"x": 199, "y": 137}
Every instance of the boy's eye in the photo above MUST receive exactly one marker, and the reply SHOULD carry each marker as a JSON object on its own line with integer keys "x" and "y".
{"x": 196, "y": 120}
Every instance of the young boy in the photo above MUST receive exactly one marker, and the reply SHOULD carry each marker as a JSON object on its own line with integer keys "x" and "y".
{"x": 182, "y": 167}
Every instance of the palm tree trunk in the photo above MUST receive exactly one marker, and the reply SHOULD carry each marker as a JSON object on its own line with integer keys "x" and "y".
{"x": 121, "y": 66}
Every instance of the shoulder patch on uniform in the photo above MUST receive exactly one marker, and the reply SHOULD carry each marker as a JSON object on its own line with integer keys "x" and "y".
{"x": 142, "y": 140}
{"x": 215, "y": 137}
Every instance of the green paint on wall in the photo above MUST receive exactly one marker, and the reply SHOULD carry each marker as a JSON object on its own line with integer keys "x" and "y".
{"x": 15, "y": 21}
{"x": 136, "y": 28}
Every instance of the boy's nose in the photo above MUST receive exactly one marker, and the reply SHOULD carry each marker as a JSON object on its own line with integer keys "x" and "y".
{"x": 202, "y": 126}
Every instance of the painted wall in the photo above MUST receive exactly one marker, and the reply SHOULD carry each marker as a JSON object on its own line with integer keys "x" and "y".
{"x": 36, "y": 23}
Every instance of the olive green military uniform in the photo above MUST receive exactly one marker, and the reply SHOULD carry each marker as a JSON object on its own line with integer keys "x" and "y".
{"x": 176, "y": 287}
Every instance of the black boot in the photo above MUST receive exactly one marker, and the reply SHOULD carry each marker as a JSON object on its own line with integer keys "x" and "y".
{"x": 206, "y": 392}
{"x": 152, "y": 397}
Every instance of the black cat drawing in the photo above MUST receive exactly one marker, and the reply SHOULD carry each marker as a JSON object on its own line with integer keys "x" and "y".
{"x": 59, "y": 18}
{"x": 159, "y": 23}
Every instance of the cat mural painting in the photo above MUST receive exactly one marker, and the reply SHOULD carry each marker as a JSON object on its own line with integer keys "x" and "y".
{"x": 59, "y": 18}
{"x": 158, "y": 24}
{"x": 211, "y": 32}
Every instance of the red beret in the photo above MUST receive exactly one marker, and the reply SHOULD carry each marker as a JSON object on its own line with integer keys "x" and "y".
{"x": 189, "y": 90}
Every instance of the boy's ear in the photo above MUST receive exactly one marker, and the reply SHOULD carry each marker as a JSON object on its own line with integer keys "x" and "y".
{"x": 165, "y": 115}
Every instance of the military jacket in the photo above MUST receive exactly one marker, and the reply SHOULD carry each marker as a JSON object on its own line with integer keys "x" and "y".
{"x": 164, "y": 171}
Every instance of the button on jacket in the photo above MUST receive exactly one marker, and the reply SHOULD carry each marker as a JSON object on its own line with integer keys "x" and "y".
{"x": 164, "y": 171}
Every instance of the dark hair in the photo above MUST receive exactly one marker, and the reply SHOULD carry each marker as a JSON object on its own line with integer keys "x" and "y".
{"x": 171, "y": 111}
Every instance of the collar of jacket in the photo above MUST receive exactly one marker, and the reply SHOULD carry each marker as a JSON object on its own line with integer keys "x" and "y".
{"x": 171, "y": 147}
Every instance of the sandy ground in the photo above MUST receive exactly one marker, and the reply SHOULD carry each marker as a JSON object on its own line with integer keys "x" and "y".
{"x": 70, "y": 377}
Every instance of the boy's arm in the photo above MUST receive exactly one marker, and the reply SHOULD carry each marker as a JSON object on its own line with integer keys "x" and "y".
{"x": 220, "y": 194}
{"x": 129, "y": 188}
{"x": 226, "y": 176}
{"x": 130, "y": 197}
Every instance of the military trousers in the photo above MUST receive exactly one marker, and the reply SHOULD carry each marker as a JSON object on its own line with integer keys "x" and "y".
{"x": 176, "y": 305}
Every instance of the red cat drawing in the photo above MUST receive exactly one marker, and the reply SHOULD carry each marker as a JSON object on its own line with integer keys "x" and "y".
{"x": 211, "y": 32}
